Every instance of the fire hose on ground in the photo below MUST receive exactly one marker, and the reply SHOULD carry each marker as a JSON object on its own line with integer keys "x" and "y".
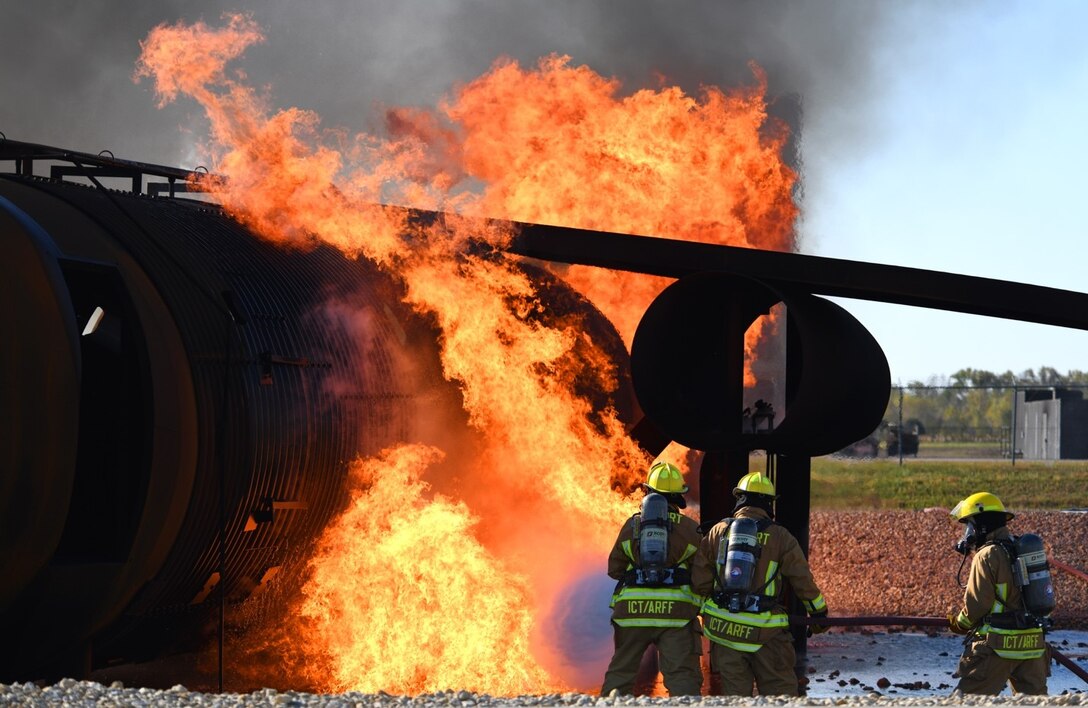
{"x": 1066, "y": 568}
{"x": 904, "y": 621}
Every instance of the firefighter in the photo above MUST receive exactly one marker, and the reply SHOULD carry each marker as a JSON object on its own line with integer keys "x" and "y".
{"x": 1005, "y": 642}
{"x": 653, "y": 603}
{"x": 741, "y": 567}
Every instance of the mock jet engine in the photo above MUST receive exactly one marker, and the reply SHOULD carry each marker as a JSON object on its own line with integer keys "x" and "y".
{"x": 180, "y": 402}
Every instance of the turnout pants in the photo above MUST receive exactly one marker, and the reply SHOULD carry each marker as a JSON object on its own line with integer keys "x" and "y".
{"x": 771, "y": 668}
{"x": 984, "y": 672}
{"x": 678, "y": 652}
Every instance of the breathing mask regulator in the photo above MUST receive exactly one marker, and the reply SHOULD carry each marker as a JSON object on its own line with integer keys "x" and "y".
{"x": 973, "y": 537}
{"x": 653, "y": 541}
{"x": 976, "y": 529}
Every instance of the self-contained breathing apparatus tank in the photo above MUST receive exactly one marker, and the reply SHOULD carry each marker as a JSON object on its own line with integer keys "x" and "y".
{"x": 653, "y": 540}
{"x": 1032, "y": 573}
{"x": 740, "y": 549}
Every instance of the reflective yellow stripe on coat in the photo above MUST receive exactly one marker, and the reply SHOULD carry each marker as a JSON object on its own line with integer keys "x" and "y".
{"x": 1017, "y": 644}
{"x": 742, "y": 631}
{"x": 634, "y": 606}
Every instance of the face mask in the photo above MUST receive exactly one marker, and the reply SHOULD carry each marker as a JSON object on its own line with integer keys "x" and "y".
{"x": 971, "y": 538}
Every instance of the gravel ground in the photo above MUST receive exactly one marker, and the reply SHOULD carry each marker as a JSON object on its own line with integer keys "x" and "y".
{"x": 867, "y": 563}
{"x": 84, "y": 693}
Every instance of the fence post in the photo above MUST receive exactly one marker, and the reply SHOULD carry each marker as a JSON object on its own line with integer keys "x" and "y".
{"x": 900, "y": 426}
{"x": 1012, "y": 428}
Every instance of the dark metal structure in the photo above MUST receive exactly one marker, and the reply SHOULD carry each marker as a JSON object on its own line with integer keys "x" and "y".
{"x": 735, "y": 284}
{"x": 181, "y": 407}
{"x": 180, "y": 402}
{"x": 814, "y": 274}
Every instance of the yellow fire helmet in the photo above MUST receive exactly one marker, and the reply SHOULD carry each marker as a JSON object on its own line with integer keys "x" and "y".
{"x": 666, "y": 478}
{"x": 754, "y": 483}
{"x": 976, "y": 504}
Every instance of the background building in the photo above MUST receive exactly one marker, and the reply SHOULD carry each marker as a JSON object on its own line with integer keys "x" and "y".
{"x": 1051, "y": 424}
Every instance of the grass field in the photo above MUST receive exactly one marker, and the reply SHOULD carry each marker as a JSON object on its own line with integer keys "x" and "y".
{"x": 884, "y": 484}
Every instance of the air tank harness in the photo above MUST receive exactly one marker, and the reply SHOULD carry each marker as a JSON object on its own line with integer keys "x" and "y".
{"x": 651, "y": 533}
{"x": 738, "y": 554}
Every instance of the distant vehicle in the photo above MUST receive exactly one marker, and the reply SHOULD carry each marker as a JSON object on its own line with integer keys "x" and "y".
{"x": 867, "y": 447}
{"x": 908, "y": 438}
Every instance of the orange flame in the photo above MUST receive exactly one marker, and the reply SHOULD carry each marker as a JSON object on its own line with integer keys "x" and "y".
{"x": 658, "y": 163}
{"x": 394, "y": 602}
{"x": 417, "y": 566}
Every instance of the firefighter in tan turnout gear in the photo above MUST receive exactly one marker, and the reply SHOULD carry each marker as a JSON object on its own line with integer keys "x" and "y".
{"x": 1006, "y": 603}
{"x": 741, "y": 567}
{"x": 653, "y": 602}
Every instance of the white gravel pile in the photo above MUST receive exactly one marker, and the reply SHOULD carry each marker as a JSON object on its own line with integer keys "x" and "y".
{"x": 69, "y": 692}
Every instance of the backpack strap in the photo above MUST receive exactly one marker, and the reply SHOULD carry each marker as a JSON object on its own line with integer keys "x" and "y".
{"x": 1006, "y": 615}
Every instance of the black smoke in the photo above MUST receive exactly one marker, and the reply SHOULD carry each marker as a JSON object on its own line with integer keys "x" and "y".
{"x": 67, "y": 65}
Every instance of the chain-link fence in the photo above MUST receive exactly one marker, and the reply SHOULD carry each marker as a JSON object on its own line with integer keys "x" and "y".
{"x": 1017, "y": 422}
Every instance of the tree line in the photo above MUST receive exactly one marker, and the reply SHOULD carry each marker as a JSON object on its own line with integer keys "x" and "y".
{"x": 971, "y": 403}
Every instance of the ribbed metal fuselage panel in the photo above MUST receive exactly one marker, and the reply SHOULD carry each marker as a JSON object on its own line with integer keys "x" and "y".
{"x": 285, "y": 396}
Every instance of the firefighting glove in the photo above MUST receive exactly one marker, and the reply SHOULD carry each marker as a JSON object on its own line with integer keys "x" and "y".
{"x": 818, "y": 628}
{"x": 954, "y": 625}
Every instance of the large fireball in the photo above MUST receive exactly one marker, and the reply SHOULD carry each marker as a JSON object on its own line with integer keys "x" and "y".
{"x": 413, "y": 590}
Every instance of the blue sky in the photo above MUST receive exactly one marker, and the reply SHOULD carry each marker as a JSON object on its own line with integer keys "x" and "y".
{"x": 937, "y": 135}
{"x": 976, "y": 164}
